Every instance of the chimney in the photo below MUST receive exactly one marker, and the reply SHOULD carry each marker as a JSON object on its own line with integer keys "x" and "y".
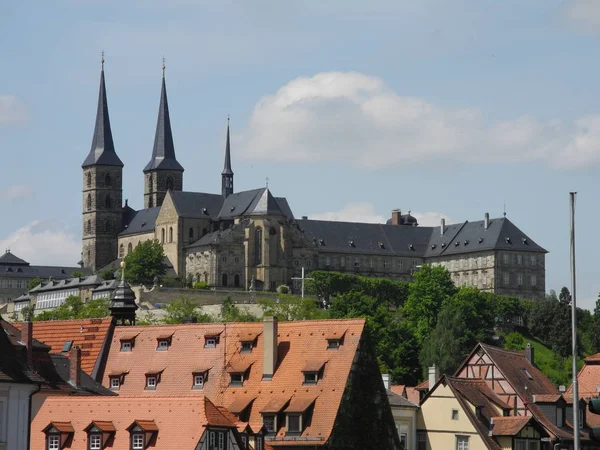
{"x": 529, "y": 353}
{"x": 442, "y": 227}
{"x": 27, "y": 339}
{"x": 396, "y": 217}
{"x": 304, "y": 217}
{"x": 562, "y": 389}
{"x": 75, "y": 366}
{"x": 434, "y": 376}
{"x": 269, "y": 347}
{"x": 386, "y": 380}
{"x": 486, "y": 222}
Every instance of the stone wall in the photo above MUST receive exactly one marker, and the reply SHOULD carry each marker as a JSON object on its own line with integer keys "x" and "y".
{"x": 129, "y": 242}
{"x": 201, "y": 296}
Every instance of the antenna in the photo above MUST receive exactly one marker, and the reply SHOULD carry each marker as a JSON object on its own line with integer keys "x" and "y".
{"x": 267, "y": 182}
{"x": 163, "y": 66}
{"x": 504, "y": 208}
{"x": 102, "y": 60}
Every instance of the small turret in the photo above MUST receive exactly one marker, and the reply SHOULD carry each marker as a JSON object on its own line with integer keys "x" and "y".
{"x": 122, "y": 302}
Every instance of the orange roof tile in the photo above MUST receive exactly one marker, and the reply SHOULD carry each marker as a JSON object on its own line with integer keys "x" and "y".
{"x": 413, "y": 395}
{"x": 89, "y": 334}
{"x": 399, "y": 389}
{"x": 104, "y": 425}
{"x": 240, "y": 404}
{"x": 593, "y": 358}
{"x": 63, "y": 427}
{"x": 177, "y": 420}
{"x": 299, "y": 342}
{"x": 275, "y": 405}
{"x": 300, "y": 404}
{"x": 588, "y": 379}
{"x": 335, "y": 334}
{"x": 248, "y": 335}
{"x": 509, "y": 426}
{"x": 546, "y": 398}
{"x": 313, "y": 365}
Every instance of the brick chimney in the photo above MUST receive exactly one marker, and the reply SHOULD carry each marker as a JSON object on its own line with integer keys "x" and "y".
{"x": 269, "y": 347}
{"x": 27, "y": 339}
{"x": 386, "y": 380}
{"x": 434, "y": 376}
{"x": 529, "y": 353}
{"x": 75, "y": 366}
{"x": 396, "y": 217}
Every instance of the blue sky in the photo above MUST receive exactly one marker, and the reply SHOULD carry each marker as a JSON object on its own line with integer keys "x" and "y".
{"x": 350, "y": 108}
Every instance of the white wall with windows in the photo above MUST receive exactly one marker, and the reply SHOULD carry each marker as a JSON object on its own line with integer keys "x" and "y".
{"x": 54, "y": 299}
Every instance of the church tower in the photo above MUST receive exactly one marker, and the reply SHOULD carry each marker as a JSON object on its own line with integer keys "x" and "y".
{"x": 102, "y": 191}
{"x": 163, "y": 173}
{"x": 227, "y": 174}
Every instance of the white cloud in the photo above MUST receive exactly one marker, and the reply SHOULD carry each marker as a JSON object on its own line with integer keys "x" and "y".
{"x": 365, "y": 212}
{"x": 44, "y": 243}
{"x": 12, "y": 110}
{"x": 358, "y": 120}
{"x": 583, "y": 13}
{"x": 16, "y": 192}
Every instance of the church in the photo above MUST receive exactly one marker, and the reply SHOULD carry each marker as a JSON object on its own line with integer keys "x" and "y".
{"x": 251, "y": 239}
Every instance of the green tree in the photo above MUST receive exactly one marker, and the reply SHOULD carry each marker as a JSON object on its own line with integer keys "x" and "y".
{"x": 108, "y": 274}
{"x": 33, "y": 283}
{"x": 201, "y": 285}
{"x": 96, "y": 308}
{"x": 184, "y": 308}
{"x": 431, "y": 288}
{"x": 514, "y": 341}
{"x": 231, "y": 313}
{"x": 565, "y": 296}
{"x": 291, "y": 307}
{"x": 78, "y": 274}
{"x": 146, "y": 261}
{"x": 595, "y": 331}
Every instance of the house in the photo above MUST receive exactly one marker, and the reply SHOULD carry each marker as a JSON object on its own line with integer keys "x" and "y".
{"x": 92, "y": 336}
{"x": 131, "y": 423}
{"x": 466, "y": 414}
{"x": 404, "y": 412}
{"x": 314, "y": 383}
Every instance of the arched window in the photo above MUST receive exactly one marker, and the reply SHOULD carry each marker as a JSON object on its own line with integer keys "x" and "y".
{"x": 88, "y": 254}
{"x": 107, "y": 180}
{"x": 191, "y": 233}
{"x": 224, "y": 279}
{"x": 89, "y": 179}
{"x": 89, "y": 202}
{"x": 170, "y": 234}
{"x": 107, "y": 226}
{"x": 205, "y": 277}
{"x": 108, "y": 202}
{"x": 169, "y": 183}
{"x": 121, "y": 250}
{"x": 89, "y": 226}
{"x": 150, "y": 202}
{"x": 162, "y": 236}
{"x": 198, "y": 279}
{"x": 236, "y": 280}
{"x": 129, "y": 248}
{"x": 258, "y": 246}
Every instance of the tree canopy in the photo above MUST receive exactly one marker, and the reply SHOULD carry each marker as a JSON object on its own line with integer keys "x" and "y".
{"x": 146, "y": 261}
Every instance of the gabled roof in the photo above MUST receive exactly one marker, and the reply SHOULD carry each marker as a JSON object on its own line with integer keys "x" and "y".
{"x": 10, "y": 259}
{"x": 179, "y": 421}
{"x": 91, "y": 335}
{"x": 68, "y": 283}
{"x": 103, "y": 149}
{"x": 588, "y": 378}
{"x": 163, "y": 152}
{"x": 264, "y": 204}
{"x": 509, "y": 426}
{"x": 399, "y": 400}
{"x": 197, "y": 205}
{"x": 142, "y": 221}
{"x": 213, "y": 238}
{"x": 298, "y": 342}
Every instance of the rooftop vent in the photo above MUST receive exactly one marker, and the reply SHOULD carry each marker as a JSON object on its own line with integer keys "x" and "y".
{"x": 381, "y": 245}
{"x": 231, "y": 208}
{"x": 126, "y": 226}
{"x": 507, "y": 239}
{"x": 321, "y": 242}
{"x": 562, "y": 389}
{"x": 525, "y": 241}
{"x": 204, "y": 211}
{"x": 456, "y": 244}
{"x": 443, "y": 245}
{"x": 351, "y": 243}
{"x": 433, "y": 246}
{"x": 143, "y": 224}
{"x": 466, "y": 242}
{"x": 480, "y": 240}
{"x": 412, "y": 247}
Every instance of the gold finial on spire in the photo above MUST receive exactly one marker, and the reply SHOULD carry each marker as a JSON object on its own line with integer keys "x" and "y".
{"x": 102, "y": 60}
{"x": 163, "y": 66}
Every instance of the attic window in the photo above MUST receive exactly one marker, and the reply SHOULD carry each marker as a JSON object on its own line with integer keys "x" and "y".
{"x": 152, "y": 379}
{"x": 311, "y": 378}
{"x": 143, "y": 224}
{"x": 126, "y": 345}
{"x": 19, "y": 270}
{"x": 199, "y": 381}
{"x": 351, "y": 243}
{"x": 246, "y": 347}
{"x": 232, "y": 208}
{"x": 57, "y": 434}
{"x": 507, "y": 239}
{"x": 411, "y": 247}
{"x": 333, "y": 344}
{"x": 67, "y": 346}
{"x": 115, "y": 383}
{"x": 237, "y": 379}
{"x": 527, "y": 374}
{"x": 525, "y": 241}
{"x": 443, "y": 245}
{"x": 211, "y": 341}
{"x": 455, "y": 414}
{"x": 480, "y": 240}
{"x": 163, "y": 344}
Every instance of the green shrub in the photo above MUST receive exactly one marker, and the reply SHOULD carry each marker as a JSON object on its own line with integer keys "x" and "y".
{"x": 201, "y": 285}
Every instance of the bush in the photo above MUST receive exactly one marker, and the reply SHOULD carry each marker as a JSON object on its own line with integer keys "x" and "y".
{"x": 283, "y": 289}
{"x": 514, "y": 341}
{"x": 170, "y": 282}
{"x": 201, "y": 285}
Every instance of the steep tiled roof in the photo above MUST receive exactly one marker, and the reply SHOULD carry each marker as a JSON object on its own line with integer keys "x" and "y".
{"x": 10, "y": 259}
{"x": 193, "y": 204}
{"x": 299, "y": 342}
{"x": 509, "y": 426}
{"x": 399, "y": 389}
{"x": 399, "y": 400}
{"x": 89, "y": 334}
{"x": 588, "y": 377}
{"x": 179, "y": 421}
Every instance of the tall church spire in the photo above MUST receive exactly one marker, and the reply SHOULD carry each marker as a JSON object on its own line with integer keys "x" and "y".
{"x": 227, "y": 174}
{"x": 103, "y": 149}
{"x": 163, "y": 153}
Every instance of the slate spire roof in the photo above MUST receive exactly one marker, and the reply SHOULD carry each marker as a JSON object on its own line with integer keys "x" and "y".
{"x": 103, "y": 148}
{"x": 163, "y": 153}
{"x": 227, "y": 168}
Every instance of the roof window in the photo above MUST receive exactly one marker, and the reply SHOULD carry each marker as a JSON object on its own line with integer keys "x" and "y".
{"x": 525, "y": 241}
{"x": 507, "y": 239}
{"x": 246, "y": 347}
{"x": 57, "y": 435}
{"x": 211, "y": 341}
{"x": 322, "y": 242}
{"x": 204, "y": 211}
{"x": 480, "y": 240}
{"x": 456, "y": 244}
{"x": 152, "y": 379}
{"x": 99, "y": 432}
{"x": 443, "y": 245}
{"x": 466, "y": 242}
{"x": 67, "y": 346}
{"x": 433, "y": 246}
{"x": 237, "y": 379}
{"x": 527, "y": 374}
{"x": 351, "y": 243}
{"x": 411, "y": 247}
{"x": 126, "y": 345}
{"x": 143, "y": 433}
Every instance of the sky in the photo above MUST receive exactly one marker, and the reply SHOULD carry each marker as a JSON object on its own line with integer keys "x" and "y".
{"x": 446, "y": 108}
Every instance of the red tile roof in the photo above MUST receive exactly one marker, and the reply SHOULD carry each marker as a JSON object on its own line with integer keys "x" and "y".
{"x": 299, "y": 342}
{"x": 413, "y": 395}
{"x": 179, "y": 421}
{"x": 89, "y": 334}
{"x": 399, "y": 389}
{"x": 509, "y": 426}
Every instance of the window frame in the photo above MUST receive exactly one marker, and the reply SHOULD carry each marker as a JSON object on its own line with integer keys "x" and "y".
{"x": 163, "y": 345}
{"x": 134, "y": 444}
{"x": 269, "y": 417}
{"x": 210, "y": 342}
{"x": 126, "y": 346}
{"x": 294, "y": 416}
{"x": 454, "y": 414}
{"x": 149, "y": 385}
{"x": 465, "y": 441}
{"x": 112, "y": 380}
{"x": 51, "y": 439}
{"x": 197, "y": 385}
{"x": 333, "y": 344}
{"x": 236, "y": 382}
{"x": 95, "y": 436}
{"x": 308, "y": 381}
{"x": 246, "y": 347}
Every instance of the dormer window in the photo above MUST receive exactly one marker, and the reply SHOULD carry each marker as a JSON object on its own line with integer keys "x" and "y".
{"x": 246, "y": 347}
{"x": 211, "y": 340}
{"x": 297, "y": 414}
{"x": 126, "y": 345}
{"x": 150, "y": 382}
{"x": 163, "y": 344}
{"x": 333, "y": 344}
{"x": 313, "y": 371}
{"x": 142, "y": 433}
{"x": 115, "y": 383}
{"x": 99, "y": 433}
{"x": 198, "y": 381}
{"x": 311, "y": 378}
{"x": 237, "y": 379}
{"x": 58, "y": 434}
{"x": 137, "y": 441}
{"x": 294, "y": 423}
{"x": 270, "y": 423}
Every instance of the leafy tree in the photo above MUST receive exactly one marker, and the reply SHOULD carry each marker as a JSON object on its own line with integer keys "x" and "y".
{"x": 595, "y": 328}
{"x": 108, "y": 274}
{"x": 96, "y": 308}
{"x": 565, "y": 296}
{"x": 291, "y": 307}
{"x": 170, "y": 282}
{"x": 28, "y": 312}
{"x": 146, "y": 261}
{"x": 78, "y": 274}
{"x": 33, "y": 283}
{"x": 283, "y": 289}
{"x": 514, "y": 341}
{"x": 431, "y": 288}
{"x": 231, "y": 313}
{"x": 184, "y": 308}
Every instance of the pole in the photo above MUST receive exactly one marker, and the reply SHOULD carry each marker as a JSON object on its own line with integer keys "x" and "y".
{"x": 302, "y": 281}
{"x": 574, "y": 328}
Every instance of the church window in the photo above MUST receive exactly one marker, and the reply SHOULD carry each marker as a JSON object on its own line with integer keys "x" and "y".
{"x": 258, "y": 246}
{"x": 170, "y": 234}
{"x": 89, "y": 226}
{"x": 121, "y": 250}
{"x": 89, "y": 179}
{"x": 169, "y": 183}
{"x": 89, "y": 202}
{"x": 108, "y": 202}
{"x": 150, "y": 202}
{"x": 236, "y": 280}
{"x": 129, "y": 248}
{"x": 162, "y": 236}
{"x": 224, "y": 279}
{"x": 107, "y": 180}
{"x": 205, "y": 277}
{"x": 191, "y": 234}
{"x": 224, "y": 259}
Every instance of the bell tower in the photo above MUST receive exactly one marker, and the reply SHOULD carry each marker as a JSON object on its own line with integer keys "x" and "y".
{"x": 102, "y": 191}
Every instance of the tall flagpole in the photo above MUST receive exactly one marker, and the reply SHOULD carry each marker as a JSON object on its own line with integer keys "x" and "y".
{"x": 574, "y": 328}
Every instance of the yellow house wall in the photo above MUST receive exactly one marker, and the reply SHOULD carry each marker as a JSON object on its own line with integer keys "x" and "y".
{"x": 435, "y": 417}
{"x": 505, "y": 442}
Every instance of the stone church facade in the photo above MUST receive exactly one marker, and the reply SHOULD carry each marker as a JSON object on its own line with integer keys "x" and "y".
{"x": 252, "y": 239}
